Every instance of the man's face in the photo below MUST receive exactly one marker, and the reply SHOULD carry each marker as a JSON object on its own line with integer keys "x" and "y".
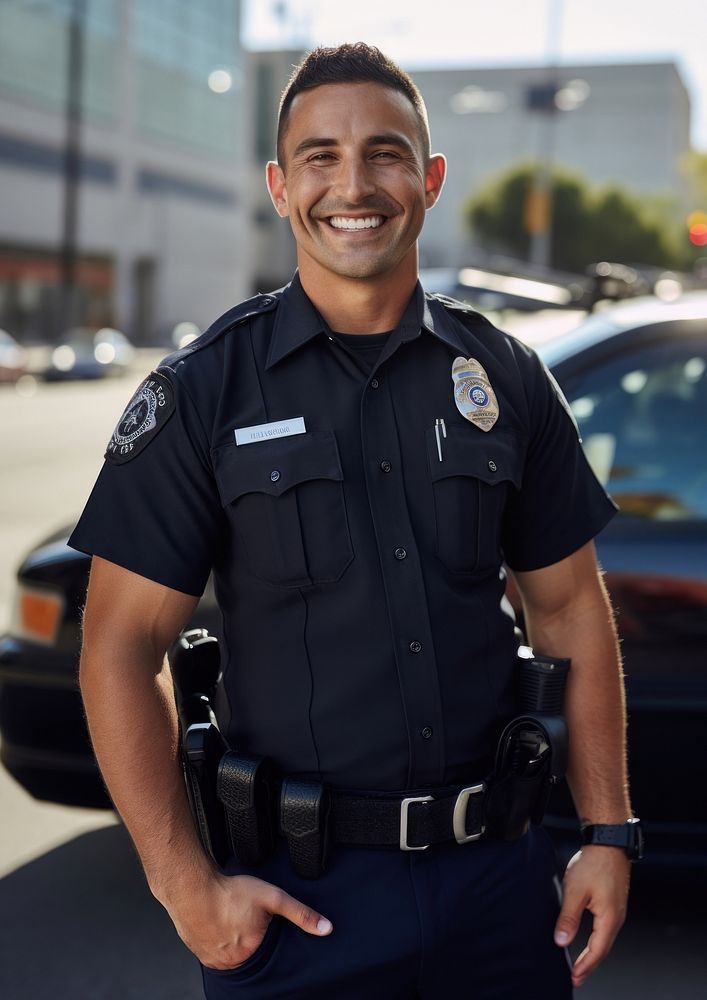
{"x": 355, "y": 182}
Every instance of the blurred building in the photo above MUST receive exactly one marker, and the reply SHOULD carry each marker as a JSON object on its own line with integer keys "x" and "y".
{"x": 627, "y": 124}
{"x": 272, "y": 246}
{"x": 163, "y": 219}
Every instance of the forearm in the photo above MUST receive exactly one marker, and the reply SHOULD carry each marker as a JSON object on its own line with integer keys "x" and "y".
{"x": 132, "y": 718}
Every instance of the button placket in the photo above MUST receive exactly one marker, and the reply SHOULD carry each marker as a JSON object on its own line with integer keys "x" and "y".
{"x": 405, "y": 587}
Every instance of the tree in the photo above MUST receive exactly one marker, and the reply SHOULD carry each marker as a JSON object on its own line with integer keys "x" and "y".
{"x": 588, "y": 224}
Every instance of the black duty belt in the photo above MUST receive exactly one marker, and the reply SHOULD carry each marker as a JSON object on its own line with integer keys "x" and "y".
{"x": 312, "y": 816}
{"x": 411, "y": 822}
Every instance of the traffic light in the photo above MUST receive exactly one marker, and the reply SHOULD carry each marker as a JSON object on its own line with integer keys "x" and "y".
{"x": 697, "y": 228}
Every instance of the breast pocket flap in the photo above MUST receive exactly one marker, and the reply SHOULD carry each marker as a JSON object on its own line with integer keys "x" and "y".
{"x": 492, "y": 458}
{"x": 273, "y": 467}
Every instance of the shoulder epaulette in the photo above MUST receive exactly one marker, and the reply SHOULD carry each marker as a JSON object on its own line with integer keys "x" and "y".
{"x": 255, "y": 306}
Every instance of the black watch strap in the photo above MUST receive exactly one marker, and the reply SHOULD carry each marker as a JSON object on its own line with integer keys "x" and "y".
{"x": 628, "y": 836}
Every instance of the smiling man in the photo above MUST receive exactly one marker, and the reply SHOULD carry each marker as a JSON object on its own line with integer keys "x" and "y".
{"x": 355, "y": 461}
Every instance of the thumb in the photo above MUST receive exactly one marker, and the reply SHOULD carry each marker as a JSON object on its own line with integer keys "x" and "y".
{"x": 303, "y": 916}
{"x": 567, "y": 924}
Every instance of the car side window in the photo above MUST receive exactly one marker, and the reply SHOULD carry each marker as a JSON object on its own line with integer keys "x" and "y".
{"x": 643, "y": 420}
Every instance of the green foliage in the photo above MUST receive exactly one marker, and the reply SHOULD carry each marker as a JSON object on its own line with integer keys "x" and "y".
{"x": 588, "y": 224}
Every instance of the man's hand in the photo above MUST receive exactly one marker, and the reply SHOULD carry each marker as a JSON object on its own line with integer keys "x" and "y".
{"x": 223, "y": 919}
{"x": 597, "y": 879}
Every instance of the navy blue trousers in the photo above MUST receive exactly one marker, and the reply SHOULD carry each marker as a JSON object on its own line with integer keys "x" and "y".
{"x": 468, "y": 922}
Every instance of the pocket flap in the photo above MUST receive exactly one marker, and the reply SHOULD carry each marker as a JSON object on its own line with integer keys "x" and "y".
{"x": 491, "y": 457}
{"x": 276, "y": 466}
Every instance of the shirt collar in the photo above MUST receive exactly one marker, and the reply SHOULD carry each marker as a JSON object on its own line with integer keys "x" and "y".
{"x": 297, "y": 321}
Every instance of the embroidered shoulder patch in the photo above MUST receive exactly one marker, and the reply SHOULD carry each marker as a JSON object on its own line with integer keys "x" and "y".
{"x": 144, "y": 417}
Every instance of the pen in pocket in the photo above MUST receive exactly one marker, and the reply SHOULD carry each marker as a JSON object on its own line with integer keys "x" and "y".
{"x": 440, "y": 425}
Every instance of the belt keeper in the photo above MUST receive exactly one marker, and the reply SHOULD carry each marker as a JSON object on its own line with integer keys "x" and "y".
{"x": 305, "y": 808}
{"x": 247, "y": 788}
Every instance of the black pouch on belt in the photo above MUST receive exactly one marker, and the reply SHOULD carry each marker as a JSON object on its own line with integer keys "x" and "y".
{"x": 531, "y": 755}
{"x": 247, "y": 789}
{"x": 305, "y": 808}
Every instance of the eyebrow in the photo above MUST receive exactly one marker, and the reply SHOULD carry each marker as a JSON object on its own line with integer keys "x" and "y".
{"x": 384, "y": 139}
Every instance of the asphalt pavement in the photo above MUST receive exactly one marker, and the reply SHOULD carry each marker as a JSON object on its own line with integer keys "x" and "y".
{"x": 77, "y": 921}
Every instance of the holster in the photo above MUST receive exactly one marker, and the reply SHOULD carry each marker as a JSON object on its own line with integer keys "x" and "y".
{"x": 531, "y": 757}
{"x": 202, "y": 749}
{"x": 247, "y": 789}
{"x": 305, "y": 808}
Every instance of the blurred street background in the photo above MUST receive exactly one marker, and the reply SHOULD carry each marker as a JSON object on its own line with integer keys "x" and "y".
{"x": 133, "y": 211}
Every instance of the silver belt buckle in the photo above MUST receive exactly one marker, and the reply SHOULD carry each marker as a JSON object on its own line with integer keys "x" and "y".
{"x": 404, "y": 807}
{"x": 459, "y": 817}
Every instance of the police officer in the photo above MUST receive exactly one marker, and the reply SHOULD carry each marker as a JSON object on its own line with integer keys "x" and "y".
{"x": 355, "y": 461}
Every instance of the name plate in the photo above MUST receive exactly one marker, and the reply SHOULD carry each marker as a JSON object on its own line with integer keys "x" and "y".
{"x": 268, "y": 432}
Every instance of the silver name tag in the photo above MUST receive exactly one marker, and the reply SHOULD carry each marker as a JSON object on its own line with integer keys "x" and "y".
{"x": 267, "y": 432}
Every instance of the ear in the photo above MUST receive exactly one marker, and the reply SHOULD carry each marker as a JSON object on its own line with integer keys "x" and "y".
{"x": 435, "y": 173}
{"x": 275, "y": 180}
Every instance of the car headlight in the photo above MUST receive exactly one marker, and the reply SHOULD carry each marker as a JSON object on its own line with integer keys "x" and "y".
{"x": 37, "y": 614}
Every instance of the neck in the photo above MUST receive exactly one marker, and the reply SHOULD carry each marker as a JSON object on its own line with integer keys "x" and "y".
{"x": 359, "y": 305}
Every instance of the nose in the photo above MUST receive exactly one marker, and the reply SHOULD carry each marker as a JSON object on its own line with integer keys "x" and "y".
{"x": 355, "y": 180}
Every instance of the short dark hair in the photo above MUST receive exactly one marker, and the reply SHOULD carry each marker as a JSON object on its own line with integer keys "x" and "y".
{"x": 350, "y": 63}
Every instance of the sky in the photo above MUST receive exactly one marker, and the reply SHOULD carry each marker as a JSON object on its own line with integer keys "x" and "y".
{"x": 482, "y": 33}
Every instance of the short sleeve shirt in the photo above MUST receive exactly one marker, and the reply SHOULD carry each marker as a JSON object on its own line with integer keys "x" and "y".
{"x": 356, "y": 523}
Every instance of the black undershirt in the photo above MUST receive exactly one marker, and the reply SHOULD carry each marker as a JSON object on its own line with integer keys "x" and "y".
{"x": 364, "y": 348}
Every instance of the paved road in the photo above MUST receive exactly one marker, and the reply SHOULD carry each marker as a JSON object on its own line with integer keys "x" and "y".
{"x": 76, "y": 920}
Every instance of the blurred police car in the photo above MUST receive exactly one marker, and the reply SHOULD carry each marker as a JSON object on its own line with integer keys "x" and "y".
{"x": 86, "y": 353}
{"x": 636, "y": 377}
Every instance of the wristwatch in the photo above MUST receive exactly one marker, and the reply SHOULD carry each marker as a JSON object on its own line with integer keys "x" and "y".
{"x": 628, "y": 835}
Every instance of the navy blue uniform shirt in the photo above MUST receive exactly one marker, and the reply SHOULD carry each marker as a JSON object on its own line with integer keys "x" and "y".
{"x": 365, "y": 636}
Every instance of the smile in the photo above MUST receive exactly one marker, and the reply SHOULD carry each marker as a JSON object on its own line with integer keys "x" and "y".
{"x": 345, "y": 222}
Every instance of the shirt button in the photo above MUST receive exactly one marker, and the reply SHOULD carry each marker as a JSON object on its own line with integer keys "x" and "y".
{"x": 385, "y": 465}
{"x": 415, "y": 647}
{"x": 401, "y": 553}
{"x": 426, "y": 733}
{"x": 492, "y": 466}
{"x": 374, "y": 383}
{"x": 274, "y": 475}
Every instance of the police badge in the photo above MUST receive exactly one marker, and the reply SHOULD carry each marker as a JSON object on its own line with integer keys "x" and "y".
{"x": 475, "y": 399}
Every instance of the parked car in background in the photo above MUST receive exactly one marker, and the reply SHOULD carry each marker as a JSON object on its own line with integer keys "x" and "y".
{"x": 635, "y": 375}
{"x": 13, "y": 358}
{"x": 86, "y": 353}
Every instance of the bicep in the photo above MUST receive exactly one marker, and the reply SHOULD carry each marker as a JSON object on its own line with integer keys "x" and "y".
{"x": 123, "y": 607}
{"x": 571, "y": 583}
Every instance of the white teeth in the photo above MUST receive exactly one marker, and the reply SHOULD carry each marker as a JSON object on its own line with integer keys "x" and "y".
{"x": 343, "y": 222}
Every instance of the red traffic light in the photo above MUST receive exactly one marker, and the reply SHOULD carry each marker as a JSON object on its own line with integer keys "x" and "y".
{"x": 697, "y": 228}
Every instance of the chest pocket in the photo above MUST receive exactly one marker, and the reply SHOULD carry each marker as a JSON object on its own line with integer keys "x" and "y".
{"x": 285, "y": 500}
{"x": 470, "y": 486}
